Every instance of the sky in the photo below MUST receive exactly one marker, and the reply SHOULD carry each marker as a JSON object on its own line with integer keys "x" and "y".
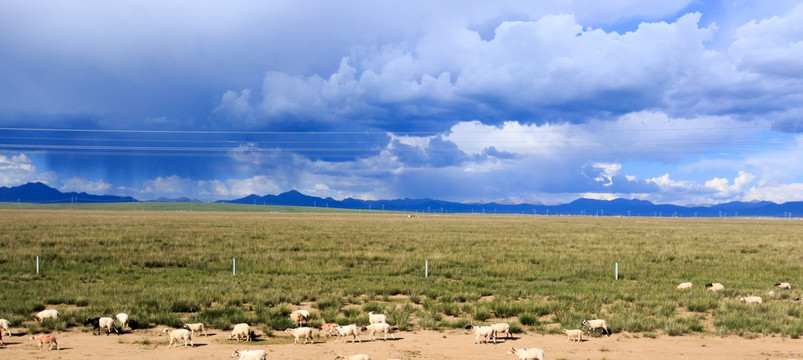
{"x": 677, "y": 101}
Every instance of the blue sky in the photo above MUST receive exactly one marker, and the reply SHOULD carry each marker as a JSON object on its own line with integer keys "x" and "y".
{"x": 683, "y": 102}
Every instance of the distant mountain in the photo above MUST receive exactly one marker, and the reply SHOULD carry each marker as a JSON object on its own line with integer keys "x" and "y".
{"x": 178, "y": 199}
{"x": 43, "y": 194}
{"x": 617, "y": 207}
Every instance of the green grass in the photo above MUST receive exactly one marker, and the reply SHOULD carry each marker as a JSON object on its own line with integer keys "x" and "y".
{"x": 168, "y": 266}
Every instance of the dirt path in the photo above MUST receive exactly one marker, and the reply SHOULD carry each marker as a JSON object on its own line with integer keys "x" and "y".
{"x": 456, "y": 344}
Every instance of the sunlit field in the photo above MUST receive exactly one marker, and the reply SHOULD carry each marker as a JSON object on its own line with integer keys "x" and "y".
{"x": 539, "y": 273}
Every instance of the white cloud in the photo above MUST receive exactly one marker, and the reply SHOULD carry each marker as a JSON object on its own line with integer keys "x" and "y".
{"x": 98, "y": 187}
{"x": 16, "y": 169}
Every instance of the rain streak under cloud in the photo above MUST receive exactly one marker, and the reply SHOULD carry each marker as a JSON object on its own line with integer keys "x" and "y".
{"x": 669, "y": 101}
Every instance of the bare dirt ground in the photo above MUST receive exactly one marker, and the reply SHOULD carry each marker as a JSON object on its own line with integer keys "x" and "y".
{"x": 453, "y": 344}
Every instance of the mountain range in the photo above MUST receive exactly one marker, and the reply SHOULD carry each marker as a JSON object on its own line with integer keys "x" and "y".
{"x": 41, "y": 193}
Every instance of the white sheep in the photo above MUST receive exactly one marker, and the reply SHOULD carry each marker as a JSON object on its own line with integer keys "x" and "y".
{"x": 46, "y": 314}
{"x": 108, "y": 324}
{"x": 685, "y": 286}
{"x": 784, "y": 285}
{"x": 199, "y": 327}
{"x": 301, "y": 331}
{"x": 501, "y": 328}
{"x": 5, "y": 327}
{"x": 527, "y": 354}
{"x": 346, "y": 330}
{"x": 46, "y": 339}
{"x": 179, "y": 334}
{"x": 353, "y": 357}
{"x": 241, "y": 330}
{"x": 381, "y": 327}
{"x": 574, "y": 334}
{"x": 122, "y": 319}
{"x": 376, "y": 318}
{"x": 597, "y": 324}
{"x": 751, "y": 299}
{"x": 299, "y": 316}
{"x": 250, "y": 354}
{"x": 714, "y": 287}
{"x": 486, "y": 332}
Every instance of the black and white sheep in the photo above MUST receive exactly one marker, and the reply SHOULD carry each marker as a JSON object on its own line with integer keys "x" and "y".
{"x": 714, "y": 287}
{"x": 784, "y": 285}
{"x": 102, "y": 323}
{"x": 486, "y": 332}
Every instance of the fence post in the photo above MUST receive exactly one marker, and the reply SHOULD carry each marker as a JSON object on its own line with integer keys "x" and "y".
{"x": 233, "y": 266}
{"x": 426, "y": 268}
{"x": 37, "y": 264}
{"x": 617, "y": 270}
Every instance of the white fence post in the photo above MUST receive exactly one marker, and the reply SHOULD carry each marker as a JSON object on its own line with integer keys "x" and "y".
{"x": 617, "y": 271}
{"x": 233, "y": 266}
{"x": 426, "y": 268}
{"x": 37, "y": 265}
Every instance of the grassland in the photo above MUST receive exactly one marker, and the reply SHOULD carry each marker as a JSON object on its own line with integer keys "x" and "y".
{"x": 540, "y": 273}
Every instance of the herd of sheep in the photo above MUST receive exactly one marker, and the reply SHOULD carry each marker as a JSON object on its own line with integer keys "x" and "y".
{"x": 377, "y": 325}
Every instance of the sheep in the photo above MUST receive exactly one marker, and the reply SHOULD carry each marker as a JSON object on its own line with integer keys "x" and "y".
{"x": 353, "y": 357}
{"x": 1, "y": 339}
{"x": 501, "y": 328}
{"x": 299, "y": 316}
{"x": 241, "y": 329}
{"x": 346, "y": 330}
{"x": 46, "y": 339}
{"x": 301, "y": 331}
{"x": 784, "y": 286}
{"x": 122, "y": 319}
{"x": 597, "y": 324}
{"x": 527, "y": 354}
{"x": 46, "y": 314}
{"x": 486, "y": 332}
{"x": 685, "y": 285}
{"x": 714, "y": 287}
{"x": 574, "y": 335}
{"x": 199, "y": 327}
{"x": 325, "y": 328}
{"x": 376, "y": 318}
{"x": 102, "y": 322}
{"x": 177, "y": 334}
{"x": 378, "y": 328}
{"x": 5, "y": 327}
{"x": 250, "y": 354}
{"x": 751, "y": 299}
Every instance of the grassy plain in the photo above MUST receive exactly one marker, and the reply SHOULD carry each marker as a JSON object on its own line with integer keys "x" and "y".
{"x": 540, "y": 273}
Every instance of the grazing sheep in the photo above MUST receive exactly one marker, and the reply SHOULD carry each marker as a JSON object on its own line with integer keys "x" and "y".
{"x": 1, "y": 339}
{"x": 346, "y": 330}
{"x": 771, "y": 293}
{"x": 751, "y": 299}
{"x": 378, "y": 328}
{"x": 486, "y": 332}
{"x": 241, "y": 330}
{"x": 784, "y": 286}
{"x": 353, "y": 357}
{"x": 574, "y": 335}
{"x": 102, "y": 322}
{"x": 301, "y": 331}
{"x": 326, "y": 328}
{"x": 501, "y": 328}
{"x": 299, "y": 316}
{"x": 122, "y": 319}
{"x": 46, "y": 339}
{"x": 179, "y": 334}
{"x": 199, "y": 327}
{"x": 5, "y": 327}
{"x": 714, "y": 287}
{"x": 376, "y": 318}
{"x": 684, "y": 286}
{"x": 527, "y": 354}
{"x": 46, "y": 314}
{"x": 597, "y": 324}
{"x": 250, "y": 354}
